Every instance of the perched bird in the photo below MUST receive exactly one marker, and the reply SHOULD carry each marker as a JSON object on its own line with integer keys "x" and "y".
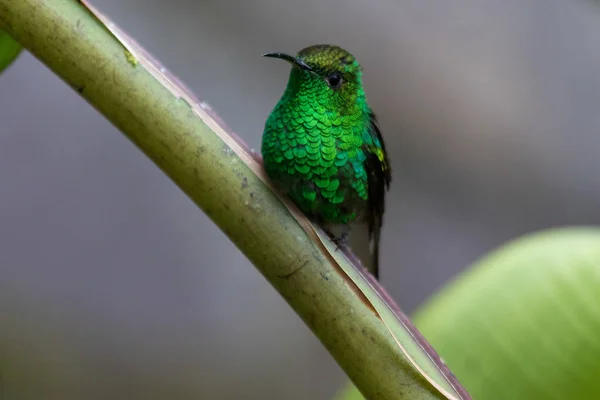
{"x": 322, "y": 146}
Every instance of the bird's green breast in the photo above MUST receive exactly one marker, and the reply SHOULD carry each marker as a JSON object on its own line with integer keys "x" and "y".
{"x": 314, "y": 153}
{"x": 322, "y": 145}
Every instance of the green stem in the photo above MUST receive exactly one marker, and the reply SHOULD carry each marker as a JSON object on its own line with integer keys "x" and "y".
{"x": 78, "y": 48}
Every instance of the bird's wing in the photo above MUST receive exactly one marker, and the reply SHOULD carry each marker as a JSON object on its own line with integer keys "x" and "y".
{"x": 379, "y": 178}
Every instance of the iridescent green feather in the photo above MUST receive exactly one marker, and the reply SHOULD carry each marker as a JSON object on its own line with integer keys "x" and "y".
{"x": 321, "y": 145}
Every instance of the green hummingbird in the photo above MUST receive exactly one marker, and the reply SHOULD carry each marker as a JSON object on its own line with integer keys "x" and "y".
{"x": 322, "y": 146}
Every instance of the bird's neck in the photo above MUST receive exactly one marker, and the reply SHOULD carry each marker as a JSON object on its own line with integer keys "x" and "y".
{"x": 307, "y": 96}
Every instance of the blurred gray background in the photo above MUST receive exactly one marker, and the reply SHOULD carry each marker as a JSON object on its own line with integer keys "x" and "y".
{"x": 113, "y": 285}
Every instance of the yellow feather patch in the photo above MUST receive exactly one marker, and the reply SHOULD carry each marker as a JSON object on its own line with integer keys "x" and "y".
{"x": 380, "y": 156}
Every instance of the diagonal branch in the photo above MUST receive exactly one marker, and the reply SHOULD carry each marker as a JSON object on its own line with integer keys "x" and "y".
{"x": 368, "y": 336}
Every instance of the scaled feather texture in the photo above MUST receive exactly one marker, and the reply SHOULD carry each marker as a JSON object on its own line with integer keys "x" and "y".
{"x": 322, "y": 146}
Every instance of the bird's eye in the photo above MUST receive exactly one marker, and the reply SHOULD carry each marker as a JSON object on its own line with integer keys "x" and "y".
{"x": 334, "y": 80}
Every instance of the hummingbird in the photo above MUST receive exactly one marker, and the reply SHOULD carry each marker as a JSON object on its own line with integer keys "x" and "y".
{"x": 322, "y": 146}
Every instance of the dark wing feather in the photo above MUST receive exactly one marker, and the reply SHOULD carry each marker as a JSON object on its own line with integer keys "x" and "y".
{"x": 379, "y": 178}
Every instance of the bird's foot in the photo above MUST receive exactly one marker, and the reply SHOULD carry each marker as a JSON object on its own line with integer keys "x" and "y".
{"x": 341, "y": 241}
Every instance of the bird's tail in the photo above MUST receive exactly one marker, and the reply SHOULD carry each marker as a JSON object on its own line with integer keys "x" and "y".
{"x": 376, "y": 238}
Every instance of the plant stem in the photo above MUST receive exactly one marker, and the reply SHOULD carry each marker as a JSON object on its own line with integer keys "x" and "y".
{"x": 78, "y": 48}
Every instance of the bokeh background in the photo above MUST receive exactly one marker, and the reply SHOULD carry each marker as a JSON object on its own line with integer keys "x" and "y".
{"x": 114, "y": 285}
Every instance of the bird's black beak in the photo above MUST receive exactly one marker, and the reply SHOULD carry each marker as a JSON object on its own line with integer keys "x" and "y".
{"x": 290, "y": 59}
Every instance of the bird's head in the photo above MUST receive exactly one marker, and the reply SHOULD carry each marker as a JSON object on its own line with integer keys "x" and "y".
{"x": 327, "y": 71}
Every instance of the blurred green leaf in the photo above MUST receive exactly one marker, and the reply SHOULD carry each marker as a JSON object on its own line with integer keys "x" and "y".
{"x": 349, "y": 392}
{"x": 524, "y": 322}
{"x": 9, "y": 50}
